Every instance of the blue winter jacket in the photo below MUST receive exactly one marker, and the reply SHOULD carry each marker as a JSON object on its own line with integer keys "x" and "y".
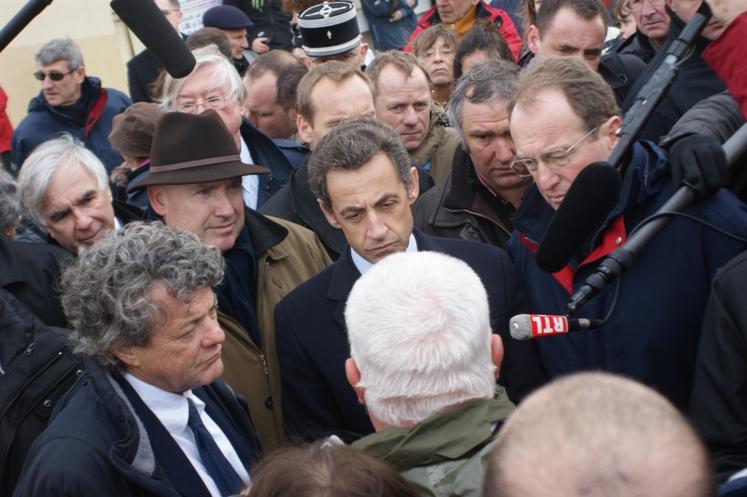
{"x": 652, "y": 334}
{"x": 44, "y": 122}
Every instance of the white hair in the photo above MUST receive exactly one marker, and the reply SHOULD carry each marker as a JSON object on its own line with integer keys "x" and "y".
{"x": 223, "y": 72}
{"x": 39, "y": 167}
{"x": 419, "y": 331}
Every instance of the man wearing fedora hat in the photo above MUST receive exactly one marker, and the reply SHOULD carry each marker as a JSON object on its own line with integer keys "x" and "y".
{"x": 195, "y": 185}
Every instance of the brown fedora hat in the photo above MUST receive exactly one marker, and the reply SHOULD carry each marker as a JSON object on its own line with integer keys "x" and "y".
{"x": 189, "y": 148}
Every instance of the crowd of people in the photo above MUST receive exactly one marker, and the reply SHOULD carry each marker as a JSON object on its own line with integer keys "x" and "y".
{"x": 293, "y": 271}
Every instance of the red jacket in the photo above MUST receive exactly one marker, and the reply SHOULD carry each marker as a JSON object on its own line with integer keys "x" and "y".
{"x": 726, "y": 58}
{"x": 6, "y": 130}
{"x": 484, "y": 11}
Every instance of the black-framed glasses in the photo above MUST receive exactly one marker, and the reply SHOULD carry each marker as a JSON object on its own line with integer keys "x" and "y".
{"x": 53, "y": 75}
{"x": 554, "y": 159}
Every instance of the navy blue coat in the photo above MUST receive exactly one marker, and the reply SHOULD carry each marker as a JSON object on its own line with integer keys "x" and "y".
{"x": 313, "y": 345}
{"x": 652, "y": 334}
{"x": 267, "y": 154}
{"x": 95, "y": 445}
{"x": 44, "y": 122}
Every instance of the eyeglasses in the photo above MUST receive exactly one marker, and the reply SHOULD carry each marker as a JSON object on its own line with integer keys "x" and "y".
{"x": 554, "y": 159}
{"x": 53, "y": 75}
{"x": 215, "y": 102}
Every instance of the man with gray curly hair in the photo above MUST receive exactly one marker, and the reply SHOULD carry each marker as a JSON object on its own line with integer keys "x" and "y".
{"x": 426, "y": 369}
{"x": 69, "y": 102}
{"x": 149, "y": 417}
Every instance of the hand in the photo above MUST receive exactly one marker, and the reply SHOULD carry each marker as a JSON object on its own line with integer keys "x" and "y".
{"x": 396, "y": 16}
{"x": 412, "y": 3}
{"x": 727, "y": 10}
{"x": 699, "y": 161}
{"x": 260, "y": 45}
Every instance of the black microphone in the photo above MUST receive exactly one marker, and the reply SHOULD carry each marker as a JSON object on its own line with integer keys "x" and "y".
{"x": 152, "y": 28}
{"x": 525, "y": 326}
{"x": 593, "y": 194}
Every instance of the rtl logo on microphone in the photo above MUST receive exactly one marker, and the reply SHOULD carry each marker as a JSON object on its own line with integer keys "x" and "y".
{"x": 543, "y": 324}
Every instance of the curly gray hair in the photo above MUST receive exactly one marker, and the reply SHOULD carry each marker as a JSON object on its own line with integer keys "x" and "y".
{"x": 10, "y": 201}
{"x": 106, "y": 292}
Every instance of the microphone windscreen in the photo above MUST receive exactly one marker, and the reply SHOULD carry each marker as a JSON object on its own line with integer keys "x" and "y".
{"x": 590, "y": 198}
{"x": 520, "y": 327}
{"x": 150, "y": 26}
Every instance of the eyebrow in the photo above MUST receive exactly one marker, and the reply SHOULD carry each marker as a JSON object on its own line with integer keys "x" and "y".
{"x": 60, "y": 214}
{"x": 190, "y": 321}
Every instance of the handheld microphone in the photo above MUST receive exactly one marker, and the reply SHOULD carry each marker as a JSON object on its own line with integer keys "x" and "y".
{"x": 525, "y": 326}
{"x": 152, "y": 28}
{"x": 590, "y": 198}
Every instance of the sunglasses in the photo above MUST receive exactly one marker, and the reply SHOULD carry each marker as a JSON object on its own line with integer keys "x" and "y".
{"x": 53, "y": 75}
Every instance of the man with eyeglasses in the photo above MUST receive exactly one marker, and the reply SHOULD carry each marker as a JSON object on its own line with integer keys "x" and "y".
{"x": 479, "y": 198}
{"x": 215, "y": 84}
{"x": 69, "y": 102}
{"x": 564, "y": 117}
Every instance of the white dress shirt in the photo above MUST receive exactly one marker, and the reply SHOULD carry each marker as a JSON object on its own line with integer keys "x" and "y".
{"x": 249, "y": 183}
{"x": 363, "y": 265}
{"x": 172, "y": 410}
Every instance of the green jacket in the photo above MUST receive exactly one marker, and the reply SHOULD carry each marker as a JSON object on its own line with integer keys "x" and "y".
{"x": 437, "y": 148}
{"x": 446, "y": 454}
{"x": 288, "y": 255}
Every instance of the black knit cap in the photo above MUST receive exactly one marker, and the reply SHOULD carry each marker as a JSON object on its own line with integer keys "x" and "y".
{"x": 329, "y": 28}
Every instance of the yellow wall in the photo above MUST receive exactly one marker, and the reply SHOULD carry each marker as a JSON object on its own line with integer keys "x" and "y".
{"x": 91, "y": 23}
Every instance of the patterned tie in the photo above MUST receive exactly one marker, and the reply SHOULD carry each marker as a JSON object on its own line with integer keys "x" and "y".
{"x": 218, "y": 467}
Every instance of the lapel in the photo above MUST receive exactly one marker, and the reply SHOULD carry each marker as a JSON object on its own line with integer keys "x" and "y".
{"x": 427, "y": 243}
{"x": 344, "y": 276}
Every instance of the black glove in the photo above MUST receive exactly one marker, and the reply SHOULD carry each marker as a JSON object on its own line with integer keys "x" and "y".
{"x": 699, "y": 161}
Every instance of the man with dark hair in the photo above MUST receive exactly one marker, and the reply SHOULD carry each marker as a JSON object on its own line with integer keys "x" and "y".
{"x": 577, "y": 28}
{"x": 482, "y": 44}
{"x": 69, "y": 102}
{"x": 402, "y": 98}
{"x": 565, "y": 118}
{"x": 328, "y": 95}
{"x": 272, "y": 25}
{"x": 364, "y": 182}
{"x": 652, "y": 21}
{"x": 144, "y": 68}
{"x": 479, "y": 198}
{"x": 271, "y": 83}
{"x": 195, "y": 185}
{"x": 149, "y": 416}
{"x": 204, "y": 37}
{"x": 597, "y": 434}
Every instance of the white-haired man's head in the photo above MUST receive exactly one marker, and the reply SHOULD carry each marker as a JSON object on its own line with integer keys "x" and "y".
{"x": 597, "y": 434}
{"x": 420, "y": 338}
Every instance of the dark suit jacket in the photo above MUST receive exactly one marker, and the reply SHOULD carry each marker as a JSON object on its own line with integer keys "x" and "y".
{"x": 313, "y": 345}
{"x": 142, "y": 70}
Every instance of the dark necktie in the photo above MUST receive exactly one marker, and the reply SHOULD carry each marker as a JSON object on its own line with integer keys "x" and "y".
{"x": 218, "y": 467}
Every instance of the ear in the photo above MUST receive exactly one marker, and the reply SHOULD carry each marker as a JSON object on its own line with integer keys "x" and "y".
{"x": 414, "y": 189}
{"x": 305, "y": 130}
{"x": 608, "y": 131}
{"x": 364, "y": 50}
{"x": 496, "y": 353}
{"x": 127, "y": 356}
{"x": 157, "y": 199}
{"x": 533, "y": 39}
{"x": 331, "y": 219}
{"x": 354, "y": 377}
{"x": 79, "y": 74}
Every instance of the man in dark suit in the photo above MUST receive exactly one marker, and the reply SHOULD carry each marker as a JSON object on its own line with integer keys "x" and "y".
{"x": 149, "y": 416}
{"x": 365, "y": 184}
{"x": 143, "y": 69}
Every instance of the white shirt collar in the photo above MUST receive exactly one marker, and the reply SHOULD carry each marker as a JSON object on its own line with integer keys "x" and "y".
{"x": 363, "y": 265}
{"x": 170, "y": 408}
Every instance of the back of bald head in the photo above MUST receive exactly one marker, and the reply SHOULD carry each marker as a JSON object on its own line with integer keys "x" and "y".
{"x": 598, "y": 435}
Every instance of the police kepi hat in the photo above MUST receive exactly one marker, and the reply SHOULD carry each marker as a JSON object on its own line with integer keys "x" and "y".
{"x": 329, "y": 28}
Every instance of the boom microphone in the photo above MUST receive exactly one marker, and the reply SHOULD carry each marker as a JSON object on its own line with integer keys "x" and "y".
{"x": 524, "y": 326}
{"x": 152, "y": 28}
{"x": 590, "y": 198}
